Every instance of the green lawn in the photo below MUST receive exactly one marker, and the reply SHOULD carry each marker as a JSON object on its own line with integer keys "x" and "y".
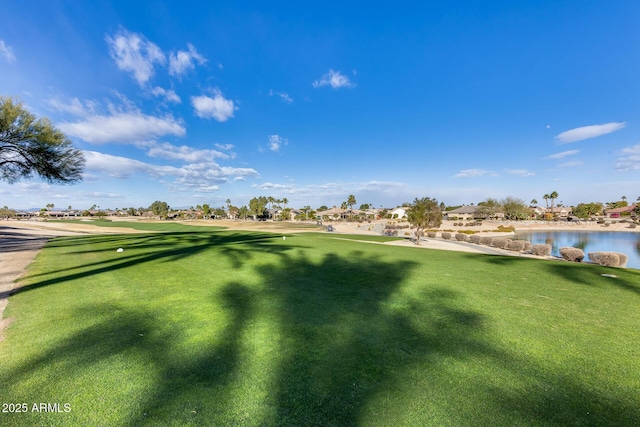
{"x": 215, "y": 327}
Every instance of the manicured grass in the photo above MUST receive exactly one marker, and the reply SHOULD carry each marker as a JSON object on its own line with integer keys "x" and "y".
{"x": 244, "y": 328}
{"x": 144, "y": 226}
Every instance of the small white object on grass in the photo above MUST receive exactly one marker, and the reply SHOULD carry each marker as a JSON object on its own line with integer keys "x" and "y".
{"x": 120, "y": 250}
{"x": 613, "y": 276}
{"x": 284, "y": 237}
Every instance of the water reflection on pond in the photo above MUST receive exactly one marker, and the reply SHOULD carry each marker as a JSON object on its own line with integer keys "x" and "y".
{"x": 589, "y": 241}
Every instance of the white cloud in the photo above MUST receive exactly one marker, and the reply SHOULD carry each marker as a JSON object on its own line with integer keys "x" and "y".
{"x": 570, "y": 164}
{"x": 125, "y": 127}
{"x": 225, "y": 147}
{"x": 133, "y": 53}
{"x": 630, "y": 159}
{"x": 185, "y": 153}
{"x": 563, "y": 154}
{"x": 470, "y": 173}
{"x": 334, "y": 79}
{"x": 202, "y": 176}
{"x": 99, "y": 195}
{"x": 276, "y": 142}
{"x": 168, "y": 94}
{"x": 283, "y": 95}
{"x": 7, "y": 52}
{"x": 271, "y": 186}
{"x": 381, "y": 186}
{"x": 587, "y": 132}
{"x": 218, "y": 107}
{"x": 520, "y": 172}
{"x": 123, "y": 167}
{"x": 75, "y": 106}
{"x": 182, "y": 61}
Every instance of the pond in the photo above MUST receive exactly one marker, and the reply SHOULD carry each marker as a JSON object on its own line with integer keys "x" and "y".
{"x": 589, "y": 241}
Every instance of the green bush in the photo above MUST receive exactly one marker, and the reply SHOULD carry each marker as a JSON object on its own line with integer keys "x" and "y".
{"x": 446, "y": 236}
{"x": 461, "y": 237}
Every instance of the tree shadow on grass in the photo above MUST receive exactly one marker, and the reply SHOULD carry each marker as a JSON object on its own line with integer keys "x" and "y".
{"x": 140, "y": 249}
{"x": 579, "y": 273}
{"x": 341, "y": 332}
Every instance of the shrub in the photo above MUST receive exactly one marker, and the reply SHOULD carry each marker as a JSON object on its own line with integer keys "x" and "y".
{"x": 541, "y": 249}
{"x": 486, "y": 240}
{"x": 446, "y": 235}
{"x": 572, "y": 254}
{"x": 461, "y": 237}
{"x": 501, "y": 243}
{"x": 431, "y": 234}
{"x": 474, "y": 238}
{"x": 527, "y": 245}
{"x": 503, "y": 229}
{"x": 609, "y": 259}
{"x": 467, "y": 231}
{"x": 623, "y": 259}
{"x": 515, "y": 245}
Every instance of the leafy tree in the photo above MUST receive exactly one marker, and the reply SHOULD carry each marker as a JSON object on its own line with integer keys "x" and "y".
{"x": 243, "y": 212}
{"x": 489, "y": 208}
{"x": 364, "y": 207}
{"x": 515, "y": 208}
{"x": 424, "y": 213}
{"x": 206, "y": 211}
{"x": 31, "y": 146}
{"x": 450, "y": 208}
{"x": 324, "y": 208}
{"x": 6, "y": 213}
{"x": 587, "y": 210}
{"x": 159, "y": 209}
{"x": 618, "y": 204}
{"x": 220, "y": 213}
{"x": 258, "y": 206}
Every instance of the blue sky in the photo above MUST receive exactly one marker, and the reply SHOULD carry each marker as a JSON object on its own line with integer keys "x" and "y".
{"x": 194, "y": 103}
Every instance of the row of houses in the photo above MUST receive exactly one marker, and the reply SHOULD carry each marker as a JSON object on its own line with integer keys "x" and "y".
{"x": 464, "y": 213}
{"x": 469, "y": 213}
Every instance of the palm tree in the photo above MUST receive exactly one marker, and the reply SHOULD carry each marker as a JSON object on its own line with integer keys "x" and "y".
{"x": 624, "y": 198}
{"x": 351, "y": 200}
{"x": 546, "y": 198}
{"x": 228, "y": 202}
{"x": 553, "y": 197}
{"x": 534, "y": 202}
